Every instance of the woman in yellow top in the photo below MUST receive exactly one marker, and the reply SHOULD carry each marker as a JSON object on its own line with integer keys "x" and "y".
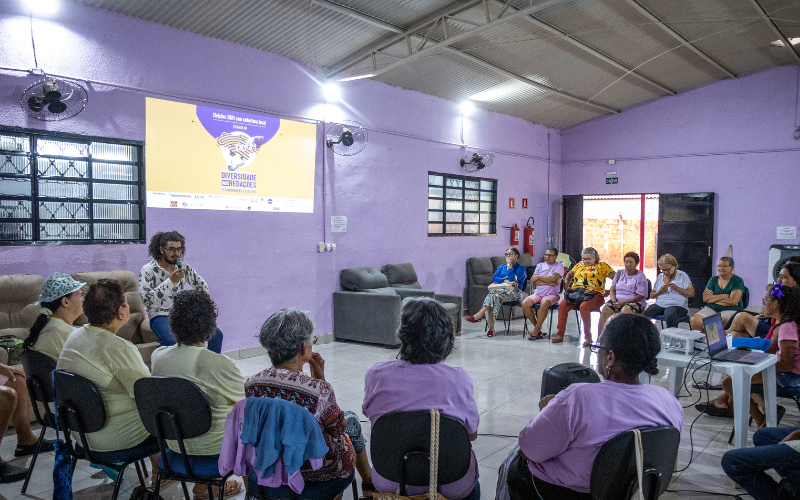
{"x": 112, "y": 363}
{"x": 590, "y": 275}
{"x": 62, "y": 303}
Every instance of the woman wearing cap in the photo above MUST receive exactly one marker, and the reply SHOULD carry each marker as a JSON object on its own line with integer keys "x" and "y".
{"x": 62, "y": 303}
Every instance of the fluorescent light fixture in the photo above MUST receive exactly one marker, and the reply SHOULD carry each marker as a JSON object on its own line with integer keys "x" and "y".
{"x": 779, "y": 43}
{"x": 332, "y": 92}
{"x": 42, "y": 7}
{"x": 357, "y": 77}
{"x": 467, "y": 107}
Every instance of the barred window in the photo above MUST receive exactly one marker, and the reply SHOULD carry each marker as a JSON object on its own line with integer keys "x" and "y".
{"x": 58, "y": 188}
{"x": 461, "y": 206}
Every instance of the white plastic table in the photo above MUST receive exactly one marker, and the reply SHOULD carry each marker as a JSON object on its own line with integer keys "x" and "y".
{"x": 740, "y": 376}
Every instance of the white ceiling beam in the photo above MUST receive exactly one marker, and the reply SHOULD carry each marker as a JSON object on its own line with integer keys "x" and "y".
{"x": 674, "y": 34}
{"x": 775, "y": 28}
{"x": 591, "y": 50}
{"x": 459, "y": 37}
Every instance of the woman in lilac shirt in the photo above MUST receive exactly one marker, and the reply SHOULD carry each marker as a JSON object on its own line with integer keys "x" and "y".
{"x": 558, "y": 447}
{"x": 419, "y": 380}
{"x": 628, "y": 291}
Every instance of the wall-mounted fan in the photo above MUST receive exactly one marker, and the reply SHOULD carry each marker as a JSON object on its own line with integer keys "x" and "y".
{"x": 54, "y": 99}
{"x": 347, "y": 138}
{"x": 476, "y": 161}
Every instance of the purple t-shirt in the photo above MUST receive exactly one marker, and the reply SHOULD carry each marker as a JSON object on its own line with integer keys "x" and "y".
{"x": 545, "y": 269}
{"x": 562, "y": 441}
{"x": 628, "y": 287}
{"x": 401, "y": 386}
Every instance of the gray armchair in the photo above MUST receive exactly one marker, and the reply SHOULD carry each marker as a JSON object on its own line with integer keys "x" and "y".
{"x": 403, "y": 278}
{"x": 367, "y": 309}
{"x": 479, "y": 276}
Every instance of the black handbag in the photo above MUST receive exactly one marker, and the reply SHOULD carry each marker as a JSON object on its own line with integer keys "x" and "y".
{"x": 578, "y": 295}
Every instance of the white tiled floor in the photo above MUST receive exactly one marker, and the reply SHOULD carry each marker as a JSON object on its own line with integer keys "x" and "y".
{"x": 506, "y": 372}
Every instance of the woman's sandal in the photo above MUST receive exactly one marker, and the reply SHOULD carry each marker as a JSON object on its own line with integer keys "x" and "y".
{"x": 714, "y": 411}
{"x": 473, "y": 319}
{"x": 231, "y": 488}
{"x": 557, "y": 339}
{"x": 536, "y": 337}
{"x": 490, "y": 333}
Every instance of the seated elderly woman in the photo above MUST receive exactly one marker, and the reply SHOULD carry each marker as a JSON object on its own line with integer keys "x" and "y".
{"x": 587, "y": 279}
{"x": 14, "y": 409}
{"x": 547, "y": 278}
{"x": 419, "y": 380}
{"x": 287, "y": 335}
{"x": 559, "y": 445}
{"x": 672, "y": 292}
{"x": 112, "y": 363}
{"x": 193, "y": 321}
{"x": 747, "y": 325}
{"x": 512, "y": 275}
{"x": 62, "y": 303}
{"x": 723, "y": 295}
{"x": 628, "y": 291}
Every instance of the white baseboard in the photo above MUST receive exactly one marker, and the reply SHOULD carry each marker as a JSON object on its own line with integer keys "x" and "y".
{"x": 252, "y": 352}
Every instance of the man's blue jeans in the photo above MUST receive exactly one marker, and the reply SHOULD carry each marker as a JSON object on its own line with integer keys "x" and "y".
{"x": 748, "y": 466}
{"x": 160, "y": 326}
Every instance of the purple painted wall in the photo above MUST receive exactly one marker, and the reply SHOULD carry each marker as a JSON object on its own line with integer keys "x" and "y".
{"x": 734, "y": 138}
{"x": 256, "y": 263}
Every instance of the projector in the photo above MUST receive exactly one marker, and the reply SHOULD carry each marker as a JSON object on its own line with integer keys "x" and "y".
{"x": 678, "y": 339}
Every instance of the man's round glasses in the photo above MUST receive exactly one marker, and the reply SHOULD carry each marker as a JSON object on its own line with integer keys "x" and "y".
{"x": 596, "y": 348}
{"x": 173, "y": 249}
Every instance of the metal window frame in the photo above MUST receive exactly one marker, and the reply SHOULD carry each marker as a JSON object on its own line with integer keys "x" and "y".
{"x": 33, "y": 135}
{"x": 444, "y": 211}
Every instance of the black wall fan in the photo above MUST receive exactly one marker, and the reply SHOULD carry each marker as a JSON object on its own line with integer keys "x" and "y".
{"x": 54, "y": 99}
{"x": 347, "y": 138}
{"x": 476, "y": 161}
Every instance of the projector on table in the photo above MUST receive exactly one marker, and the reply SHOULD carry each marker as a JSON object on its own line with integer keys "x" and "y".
{"x": 678, "y": 339}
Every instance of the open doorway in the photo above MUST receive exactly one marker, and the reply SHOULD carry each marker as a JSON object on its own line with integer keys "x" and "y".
{"x": 618, "y": 224}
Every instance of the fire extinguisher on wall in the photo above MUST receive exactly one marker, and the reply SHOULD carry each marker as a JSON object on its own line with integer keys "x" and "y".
{"x": 514, "y": 235}
{"x": 528, "y": 237}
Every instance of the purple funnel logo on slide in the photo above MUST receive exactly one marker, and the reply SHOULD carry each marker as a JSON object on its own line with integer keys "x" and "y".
{"x": 239, "y": 135}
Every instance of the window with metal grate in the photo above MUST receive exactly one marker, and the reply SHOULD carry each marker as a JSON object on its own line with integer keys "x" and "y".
{"x": 461, "y": 206}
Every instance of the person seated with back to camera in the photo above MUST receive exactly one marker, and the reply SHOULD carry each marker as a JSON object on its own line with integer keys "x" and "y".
{"x": 287, "y": 335}
{"x": 761, "y": 326}
{"x": 62, "y": 303}
{"x": 558, "y": 447}
{"x": 783, "y": 304}
{"x": 511, "y": 273}
{"x": 193, "y": 319}
{"x": 419, "y": 381}
{"x": 775, "y": 448}
{"x": 628, "y": 291}
{"x": 547, "y": 278}
{"x": 672, "y": 290}
{"x": 723, "y": 295}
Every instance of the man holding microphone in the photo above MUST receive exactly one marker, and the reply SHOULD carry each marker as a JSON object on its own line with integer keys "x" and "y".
{"x": 162, "y": 278}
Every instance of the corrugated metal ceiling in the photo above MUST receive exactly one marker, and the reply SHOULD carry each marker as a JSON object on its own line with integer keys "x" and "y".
{"x": 519, "y": 60}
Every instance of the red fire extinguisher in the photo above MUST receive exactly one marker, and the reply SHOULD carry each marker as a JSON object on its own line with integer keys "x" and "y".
{"x": 528, "y": 237}
{"x": 514, "y": 235}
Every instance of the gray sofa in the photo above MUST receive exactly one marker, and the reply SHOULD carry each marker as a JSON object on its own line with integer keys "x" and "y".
{"x": 403, "y": 278}
{"x": 479, "y": 276}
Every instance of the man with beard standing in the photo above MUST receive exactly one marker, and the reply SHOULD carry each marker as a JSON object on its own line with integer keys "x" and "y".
{"x": 162, "y": 278}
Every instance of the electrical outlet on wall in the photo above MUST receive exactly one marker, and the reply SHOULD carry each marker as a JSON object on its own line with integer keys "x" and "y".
{"x": 321, "y": 247}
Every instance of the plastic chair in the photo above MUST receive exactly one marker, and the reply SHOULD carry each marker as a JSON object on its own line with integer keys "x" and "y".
{"x": 38, "y": 368}
{"x": 614, "y": 473}
{"x": 400, "y": 448}
{"x": 81, "y": 410}
{"x": 176, "y": 409}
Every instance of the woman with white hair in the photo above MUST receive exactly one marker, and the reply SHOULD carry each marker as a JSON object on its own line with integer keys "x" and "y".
{"x": 287, "y": 335}
{"x": 585, "y": 292}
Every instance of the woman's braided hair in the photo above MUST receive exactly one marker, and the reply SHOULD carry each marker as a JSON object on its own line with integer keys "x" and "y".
{"x": 635, "y": 342}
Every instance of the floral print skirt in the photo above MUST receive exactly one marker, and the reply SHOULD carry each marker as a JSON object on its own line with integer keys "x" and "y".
{"x": 496, "y": 297}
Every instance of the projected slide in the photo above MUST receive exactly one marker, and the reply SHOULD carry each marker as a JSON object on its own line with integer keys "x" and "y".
{"x": 217, "y": 159}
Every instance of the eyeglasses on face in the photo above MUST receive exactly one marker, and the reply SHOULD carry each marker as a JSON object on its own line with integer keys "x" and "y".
{"x": 172, "y": 249}
{"x": 597, "y": 347}
{"x": 509, "y": 254}
{"x": 550, "y": 254}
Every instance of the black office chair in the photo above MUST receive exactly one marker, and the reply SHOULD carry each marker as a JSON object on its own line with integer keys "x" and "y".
{"x": 176, "y": 409}
{"x": 614, "y": 473}
{"x": 400, "y": 448}
{"x": 38, "y": 368}
{"x": 81, "y": 410}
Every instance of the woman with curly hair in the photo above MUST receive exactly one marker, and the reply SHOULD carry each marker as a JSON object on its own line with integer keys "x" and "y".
{"x": 419, "y": 380}
{"x": 559, "y": 445}
{"x": 193, "y": 320}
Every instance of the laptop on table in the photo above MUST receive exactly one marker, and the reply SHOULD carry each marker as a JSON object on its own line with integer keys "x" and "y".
{"x": 718, "y": 345}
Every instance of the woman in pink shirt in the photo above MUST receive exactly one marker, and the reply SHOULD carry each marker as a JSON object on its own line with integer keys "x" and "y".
{"x": 558, "y": 447}
{"x": 628, "y": 291}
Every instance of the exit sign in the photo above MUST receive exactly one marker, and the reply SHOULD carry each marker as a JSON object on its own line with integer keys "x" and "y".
{"x": 612, "y": 180}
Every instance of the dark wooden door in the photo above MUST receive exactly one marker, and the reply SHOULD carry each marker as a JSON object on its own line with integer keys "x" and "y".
{"x": 686, "y": 230}
{"x": 572, "y": 229}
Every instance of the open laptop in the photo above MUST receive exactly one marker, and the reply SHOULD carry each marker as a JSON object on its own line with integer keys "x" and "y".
{"x": 718, "y": 344}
